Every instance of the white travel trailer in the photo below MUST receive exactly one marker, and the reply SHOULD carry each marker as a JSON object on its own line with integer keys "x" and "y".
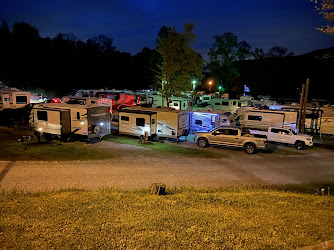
{"x": 67, "y": 120}
{"x": 263, "y": 119}
{"x": 204, "y": 120}
{"x": 158, "y": 123}
{"x": 12, "y": 98}
{"x": 155, "y": 100}
{"x": 87, "y": 101}
{"x": 226, "y": 105}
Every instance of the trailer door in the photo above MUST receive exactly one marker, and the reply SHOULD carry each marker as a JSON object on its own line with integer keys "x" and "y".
{"x": 153, "y": 124}
{"x": 65, "y": 120}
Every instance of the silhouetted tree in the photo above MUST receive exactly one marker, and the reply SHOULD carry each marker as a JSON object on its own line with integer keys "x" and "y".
{"x": 278, "y": 51}
{"x": 25, "y": 31}
{"x": 258, "y": 53}
{"x": 104, "y": 43}
{"x": 244, "y": 50}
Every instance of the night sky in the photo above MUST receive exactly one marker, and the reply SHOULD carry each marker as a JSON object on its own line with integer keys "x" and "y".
{"x": 134, "y": 24}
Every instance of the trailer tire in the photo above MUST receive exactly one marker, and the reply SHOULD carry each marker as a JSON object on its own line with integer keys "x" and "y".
{"x": 203, "y": 142}
{"x": 155, "y": 137}
{"x": 300, "y": 145}
{"x": 250, "y": 148}
{"x": 96, "y": 129}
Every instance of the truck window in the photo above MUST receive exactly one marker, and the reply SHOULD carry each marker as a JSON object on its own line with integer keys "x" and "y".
{"x": 275, "y": 130}
{"x": 42, "y": 115}
{"x": 21, "y": 100}
{"x": 231, "y": 132}
{"x": 140, "y": 122}
{"x": 254, "y": 118}
{"x": 124, "y": 118}
{"x": 198, "y": 122}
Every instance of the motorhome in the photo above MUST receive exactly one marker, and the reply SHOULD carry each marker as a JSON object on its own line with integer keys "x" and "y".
{"x": 12, "y": 98}
{"x": 158, "y": 123}
{"x": 204, "y": 120}
{"x": 263, "y": 119}
{"x": 66, "y": 120}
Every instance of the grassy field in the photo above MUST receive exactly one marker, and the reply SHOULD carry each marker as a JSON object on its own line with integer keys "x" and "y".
{"x": 232, "y": 218}
{"x": 170, "y": 148}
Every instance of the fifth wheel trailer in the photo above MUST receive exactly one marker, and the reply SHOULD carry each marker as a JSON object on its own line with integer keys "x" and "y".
{"x": 67, "y": 120}
{"x": 158, "y": 123}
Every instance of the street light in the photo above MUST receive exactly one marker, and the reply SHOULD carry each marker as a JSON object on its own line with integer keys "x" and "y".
{"x": 210, "y": 83}
{"x": 194, "y": 84}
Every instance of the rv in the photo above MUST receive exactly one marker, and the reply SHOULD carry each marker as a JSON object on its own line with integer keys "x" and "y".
{"x": 12, "y": 98}
{"x": 226, "y": 105}
{"x": 87, "y": 101}
{"x": 263, "y": 119}
{"x": 158, "y": 123}
{"x": 155, "y": 100}
{"x": 67, "y": 120}
{"x": 205, "y": 120}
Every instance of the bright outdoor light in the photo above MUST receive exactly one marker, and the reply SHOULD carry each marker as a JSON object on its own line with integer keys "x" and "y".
{"x": 210, "y": 82}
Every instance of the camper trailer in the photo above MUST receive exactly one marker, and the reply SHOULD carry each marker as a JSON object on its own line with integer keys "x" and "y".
{"x": 67, "y": 120}
{"x": 226, "y": 105}
{"x": 158, "y": 123}
{"x": 155, "y": 100}
{"x": 205, "y": 120}
{"x": 263, "y": 119}
{"x": 12, "y": 98}
{"x": 87, "y": 101}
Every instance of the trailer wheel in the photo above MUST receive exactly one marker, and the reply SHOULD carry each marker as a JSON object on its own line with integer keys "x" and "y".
{"x": 250, "y": 148}
{"x": 96, "y": 129}
{"x": 155, "y": 137}
{"x": 300, "y": 145}
{"x": 202, "y": 142}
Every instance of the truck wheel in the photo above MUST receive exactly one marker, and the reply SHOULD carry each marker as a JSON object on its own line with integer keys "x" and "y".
{"x": 250, "y": 148}
{"x": 300, "y": 145}
{"x": 202, "y": 142}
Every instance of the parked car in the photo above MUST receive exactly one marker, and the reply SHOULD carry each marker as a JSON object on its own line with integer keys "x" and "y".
{"x": 287, "y": 136}
{"x": 231, "y": 137}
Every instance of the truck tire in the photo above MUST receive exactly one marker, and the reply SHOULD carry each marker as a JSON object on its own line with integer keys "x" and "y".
{"x": 250, "y": 148}
{"x": 300, "y": 145}
{"x": 202, "y": 142}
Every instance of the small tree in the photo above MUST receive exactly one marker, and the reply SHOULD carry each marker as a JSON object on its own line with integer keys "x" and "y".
{"x": 180, "y": 62}
{"x": 326, "y": 9}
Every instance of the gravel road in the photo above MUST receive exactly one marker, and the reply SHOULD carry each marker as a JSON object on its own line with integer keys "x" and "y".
{"x": 140, "y": 171}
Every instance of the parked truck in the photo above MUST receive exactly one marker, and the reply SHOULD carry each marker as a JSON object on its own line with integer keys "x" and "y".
{"x": 231, "y": 137}
{"x": 286, "y": 136}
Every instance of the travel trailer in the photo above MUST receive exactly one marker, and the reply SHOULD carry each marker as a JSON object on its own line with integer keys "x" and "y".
{"x": 204, "y": 120}
{"x": 12, "y": 98}
{"x": 226, "y": 105}
{"x": 87, "y": 101}
{"x": 158, "y": 123}
{"x": 66, "y": 120}
{"x": 155, "y": 100}
{"x": 263, "y": 119}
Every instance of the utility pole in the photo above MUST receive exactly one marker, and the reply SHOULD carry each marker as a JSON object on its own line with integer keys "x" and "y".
{"x": 302, "y": 109}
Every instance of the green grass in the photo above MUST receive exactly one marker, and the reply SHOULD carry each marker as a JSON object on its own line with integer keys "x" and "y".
{"x": 55, "y": 150}
{"x": 231, "y": 218}
{"x": 170, "y": 148}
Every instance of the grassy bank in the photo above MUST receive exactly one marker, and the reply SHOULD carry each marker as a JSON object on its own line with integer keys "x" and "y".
{"x": 237, "y": 218}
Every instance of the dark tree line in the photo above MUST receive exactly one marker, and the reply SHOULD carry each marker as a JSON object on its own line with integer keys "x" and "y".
{"x": 62, "y": 63}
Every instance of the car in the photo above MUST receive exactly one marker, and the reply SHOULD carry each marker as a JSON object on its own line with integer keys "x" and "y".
{"x": 231, "y": 137}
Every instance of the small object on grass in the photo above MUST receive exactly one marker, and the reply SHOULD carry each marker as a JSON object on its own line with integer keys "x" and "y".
{"x": 322, "y": 191}
{"x": 158, "y": 189}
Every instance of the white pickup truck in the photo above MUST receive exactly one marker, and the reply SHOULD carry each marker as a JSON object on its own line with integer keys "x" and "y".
{"x": 285, "y": 135}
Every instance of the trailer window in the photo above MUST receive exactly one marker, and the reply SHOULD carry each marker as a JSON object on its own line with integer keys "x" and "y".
{"x": 6, "y": 99}
{"x": 42, "y": 115}
{"x": 153, "y": 121}
{"x": 234, "y": 103}
{"x": 217, "y": 103}
{"x": 254, "y": 118}
{"x": 125, "y": 118}
{"x": 312, "y": 116}
{"x": 140, "y": 122}
{"x": 21, "y": 100}
{"x": 78, "y": 115}
{"x": 224, "y": 103}
{"x": 198, "y": 122}
{"x": 175, "y": 104}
